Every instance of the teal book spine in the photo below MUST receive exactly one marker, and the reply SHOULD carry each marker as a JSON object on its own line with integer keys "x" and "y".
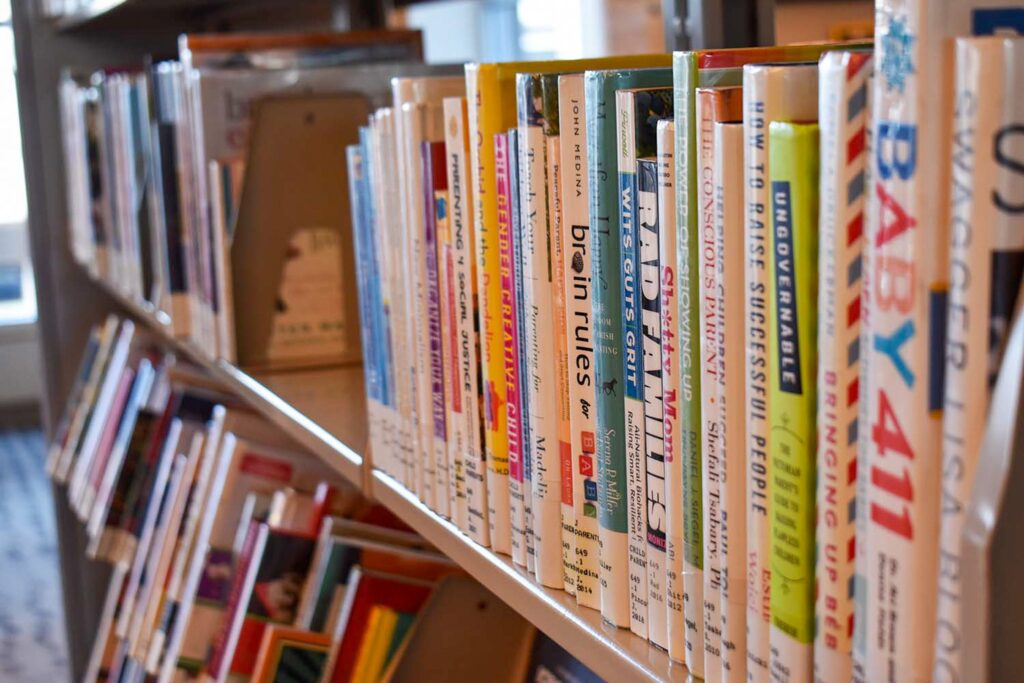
{"x": 600, "y": 87}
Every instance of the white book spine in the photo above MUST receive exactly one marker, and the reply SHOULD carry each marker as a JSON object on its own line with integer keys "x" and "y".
{"x": 579, "y": 333}
{"x": 755, "y": 335}
{"x": 843, "y": 120}
{"x": 539, "y": 344}
{"x": 636, "y": 463}
{"x": 709, "y": 403}
{"x": 672, "y": 394}
{"x": 729, "y": 205}
{"x": 986, "y": 255}
{"x": 648, "y": 266}
{"x": 474, "y": 467}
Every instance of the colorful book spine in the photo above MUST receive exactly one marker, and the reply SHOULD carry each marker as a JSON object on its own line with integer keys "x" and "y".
{"x": 673, "y": 393}
{"x": 576, "y": 251}
{"x": 729, "y": 206}
{"x": 510, "y": 338}
{"x": 986, "y": 226}
{"x": 435, "y": 203}
{"x": 908, "y": 251}
{"x": 649, "y": 270}
{"x": 793, "y": 176}
{"x": 843, "y": 117}
{"x": 556, "y": 249}
{"x": 493, "y": 264}
{"x": 632, "y": 360}
{"x": 467, "y": 319}
{"x": 519, "y": 288}
{"x": 600, "y": 87}
{"x": 711, "y": 425}
{"x": 539, "y": 342}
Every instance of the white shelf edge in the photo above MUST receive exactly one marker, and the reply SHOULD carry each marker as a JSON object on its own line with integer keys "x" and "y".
{"x": 612, "y": 653}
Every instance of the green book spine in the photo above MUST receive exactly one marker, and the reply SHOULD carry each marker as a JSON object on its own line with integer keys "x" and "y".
{"x": 793, "y": 177}
{"x": 600, "y": 87}
{"x": 684, "y": 66}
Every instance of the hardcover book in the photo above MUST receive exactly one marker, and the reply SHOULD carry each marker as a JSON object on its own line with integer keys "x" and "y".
{"x": 727, "y": 138}
{"x": 713, "y": 104}
{"x": 467, "y": 317}
{"x": 986, "y": 241}
{"x": 793, "y": 174}
{"x": 637, "y": 113}
{"x": 674, "y": 393}
{"x": 556, "y": 239}
{"x": 843, "y": 116}
{"x": 576, "y": 253}
{"x": 539, "y": 343}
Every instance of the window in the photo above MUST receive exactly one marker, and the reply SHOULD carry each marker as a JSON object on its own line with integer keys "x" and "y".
{"x": 17, "y": 288}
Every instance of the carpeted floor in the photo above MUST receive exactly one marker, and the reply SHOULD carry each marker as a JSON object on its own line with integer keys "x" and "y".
{"x": 32, "y": 644}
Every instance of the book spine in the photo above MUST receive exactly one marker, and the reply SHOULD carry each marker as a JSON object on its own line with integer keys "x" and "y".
{"x": 360, "y": 237}
{"x": 632, "y": 362}
{"x": 607, "y": 308}
{"x": 710, "y": 320}
{"x": 481, "y": 84}
{"x": 687, "y": 260}
{"x": 729, "y": 207}
{"x": 393, "y": 244}
{"x": 843, "y": 100}
{"x": 435, "y": 187}
{"x": 511, "y": 351}
{"x": 793, "y": 176}
{"x": 986, "y": 262}
{"x": 556, "y": 249}
{"x": 454, "y": 398}
{"x": 672, "y": 392}
{"x": 649, "y": 270}
{"x": 756, "y": 372}
{"x": 424, "y": 463}
{"x": 467, "y": 320}
{"x": 539, "y": 341}
{"x": 525, "y": 439}
{"x": 384, "y": 351}
{"x": 908, "y": 251}
{"x": 579, "y": 319}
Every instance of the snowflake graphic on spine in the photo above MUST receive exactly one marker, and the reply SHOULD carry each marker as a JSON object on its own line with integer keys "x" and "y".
{"x": 897, "y": 62}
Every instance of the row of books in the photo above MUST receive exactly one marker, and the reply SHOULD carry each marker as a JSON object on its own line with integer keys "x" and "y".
{"x": 235, "y": 554}
{"x": 157, "y": 160}
{"x": 706, "y": 339}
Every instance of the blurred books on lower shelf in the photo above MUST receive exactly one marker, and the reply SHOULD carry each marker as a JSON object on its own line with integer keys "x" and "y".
{"x": 236, "y": 554}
